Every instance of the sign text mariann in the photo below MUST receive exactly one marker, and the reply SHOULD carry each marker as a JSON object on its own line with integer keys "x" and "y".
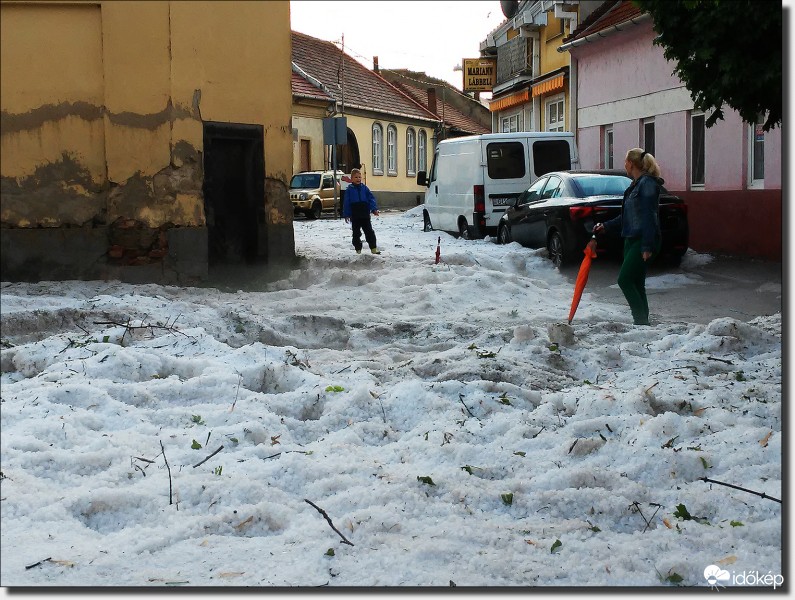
{"x": 480, "y": 74}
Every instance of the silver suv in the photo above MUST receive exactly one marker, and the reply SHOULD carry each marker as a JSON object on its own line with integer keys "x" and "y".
{"x": 312, "y": 192}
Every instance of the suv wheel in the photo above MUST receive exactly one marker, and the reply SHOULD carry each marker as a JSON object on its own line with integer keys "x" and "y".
{"x": 317, "y": 210}
{"x": 426, "y": 223}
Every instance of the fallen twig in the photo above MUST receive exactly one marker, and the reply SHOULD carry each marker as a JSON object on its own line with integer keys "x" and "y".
{"x": 170, "y": 495}
{"x": 742, "y": 489}
{"x": 461, "y": 398}
{"x": 130, "y": 328}
{"x": 723, "y": 360}
{"x": 694, "y": 369}
{"x": 239, "y": 379}
{"x": 41, "y": 562}
{"x": 198, "y": 464}
{"x": 323, "y": 512}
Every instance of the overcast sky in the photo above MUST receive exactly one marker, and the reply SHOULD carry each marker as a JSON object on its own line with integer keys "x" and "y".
{"x": 431, "y": 37}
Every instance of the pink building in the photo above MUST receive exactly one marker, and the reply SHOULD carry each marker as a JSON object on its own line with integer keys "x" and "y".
{"x": 626, "y": 96}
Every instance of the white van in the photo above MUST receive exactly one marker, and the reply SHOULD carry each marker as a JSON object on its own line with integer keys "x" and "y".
{"x": 474, "y": 179}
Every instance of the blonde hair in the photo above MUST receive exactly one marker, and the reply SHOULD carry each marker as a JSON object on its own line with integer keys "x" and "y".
{"x": 644, "y": 161}
{"x": 353, "y": 171}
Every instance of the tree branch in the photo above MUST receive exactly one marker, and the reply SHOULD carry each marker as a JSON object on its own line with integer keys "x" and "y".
{"x": 323, "y": 512}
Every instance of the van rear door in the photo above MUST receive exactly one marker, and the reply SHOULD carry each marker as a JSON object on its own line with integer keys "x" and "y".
{"x": 507, "y": 177}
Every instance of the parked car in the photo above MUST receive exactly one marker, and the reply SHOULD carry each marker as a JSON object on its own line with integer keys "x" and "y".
{"x": 312, "y": 192}
{"x": 560, "y": 209}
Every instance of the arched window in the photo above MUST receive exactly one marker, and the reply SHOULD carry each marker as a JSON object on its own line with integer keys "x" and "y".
{"x": 411, "y": 155}
{"x": 378, "y": 149}
{"x": 422, "y": 151}
{"x": 391, "y": 150}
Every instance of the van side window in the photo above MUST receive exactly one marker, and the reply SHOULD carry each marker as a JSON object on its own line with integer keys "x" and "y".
{"x": 550, "y": 155}
{"x": 505, "y": 160}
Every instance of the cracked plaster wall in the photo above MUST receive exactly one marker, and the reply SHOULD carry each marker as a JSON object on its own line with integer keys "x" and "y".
{"x": 113, "y": 140}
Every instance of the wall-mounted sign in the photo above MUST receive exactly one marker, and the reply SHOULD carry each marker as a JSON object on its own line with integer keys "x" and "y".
{"x": 480, "y": 74}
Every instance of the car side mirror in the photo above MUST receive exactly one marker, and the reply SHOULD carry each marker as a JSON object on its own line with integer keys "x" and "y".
{"x": 422, "y": 179}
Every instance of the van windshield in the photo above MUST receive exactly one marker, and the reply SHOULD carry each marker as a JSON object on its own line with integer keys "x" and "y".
{"x": 505, "y": 160}
{"x": 305, "y": 181}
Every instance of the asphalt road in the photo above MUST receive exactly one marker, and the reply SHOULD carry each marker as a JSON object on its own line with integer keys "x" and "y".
{"x": 697, "y": 291}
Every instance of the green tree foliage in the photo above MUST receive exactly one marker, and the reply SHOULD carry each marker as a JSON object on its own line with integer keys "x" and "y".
{"x": 725, "y": 51}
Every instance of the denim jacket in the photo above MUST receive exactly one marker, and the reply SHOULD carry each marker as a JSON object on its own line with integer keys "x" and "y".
{"x": 640, "y": 214}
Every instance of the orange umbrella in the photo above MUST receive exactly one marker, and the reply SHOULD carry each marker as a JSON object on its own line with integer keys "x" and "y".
{"x": 582, "y": 278}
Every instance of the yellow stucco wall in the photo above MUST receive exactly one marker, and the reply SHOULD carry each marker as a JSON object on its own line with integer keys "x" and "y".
{"x": 551, "y": 39}
{"x": 111, "y": 89}
{"x": 309, "y": 123}
{"x": 237, "y": 55}
{"x": 51, "y": 106}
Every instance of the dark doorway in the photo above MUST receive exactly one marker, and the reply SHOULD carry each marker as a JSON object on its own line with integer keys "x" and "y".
{"x": 348, "y": 154}
{"x": 234, "y": 193}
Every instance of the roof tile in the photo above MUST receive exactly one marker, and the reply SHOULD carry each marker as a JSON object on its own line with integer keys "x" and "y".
{"x": 362, "y": 87}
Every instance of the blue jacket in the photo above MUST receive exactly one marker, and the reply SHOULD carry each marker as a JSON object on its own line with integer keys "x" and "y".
{"x": 359, "y": 201}
{"x": 640, "y": 213}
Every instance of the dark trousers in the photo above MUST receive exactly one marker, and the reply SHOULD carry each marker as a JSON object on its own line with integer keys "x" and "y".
{"x": 359, "y": 224}
{"x": 632, "y": 280}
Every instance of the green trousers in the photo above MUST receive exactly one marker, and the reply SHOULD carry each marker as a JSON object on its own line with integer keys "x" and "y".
{"x": 632, "y": 280}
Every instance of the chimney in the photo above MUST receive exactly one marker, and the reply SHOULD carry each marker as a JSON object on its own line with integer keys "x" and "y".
{"x": 432, "y": 100}
{"x": 375, "y": 64}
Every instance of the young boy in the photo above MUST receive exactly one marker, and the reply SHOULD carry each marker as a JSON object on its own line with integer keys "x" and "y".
{"x": 357, "y": 205}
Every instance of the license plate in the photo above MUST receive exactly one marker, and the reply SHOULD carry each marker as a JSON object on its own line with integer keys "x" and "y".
{"x": 502, "y": 201}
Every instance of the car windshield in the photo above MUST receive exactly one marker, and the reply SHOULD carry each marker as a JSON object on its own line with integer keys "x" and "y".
{"x": 602, "y": 185}
{"x": 305, "y": 181}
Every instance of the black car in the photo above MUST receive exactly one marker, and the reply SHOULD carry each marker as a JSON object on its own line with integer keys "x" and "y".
{"x": 560, "y": 209}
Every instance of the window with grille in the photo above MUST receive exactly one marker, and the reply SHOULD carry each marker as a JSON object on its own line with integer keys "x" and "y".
{"x": 391, "y": 150}
{"x": 697, "y": 151}
{"x": 556, "y": 114}
{"x": 608, "y": 150}
{"x": 378, "y": 149}
{"x": 647, "y": 140}
{"x": 411, "y": 156}
{"x": 756, "y": 154}
{"x": 422, "y": 150}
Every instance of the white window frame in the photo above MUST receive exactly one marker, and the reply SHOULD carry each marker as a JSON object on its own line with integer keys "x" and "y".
{"x": 422, "y": 150}
{"x": 755, "y": 184}
{"x": 511, "y": 122}
{"x": 609, "y": 148}
{"x": 411, "y": 154}
{"x": 528, "y": 118}
{"x": 378, "y": 149}
{"x": 391, "y": 150}
{"x": 559, "y": 123}
{"x": 643, "y": 141}
{"x": 699, "y": 185}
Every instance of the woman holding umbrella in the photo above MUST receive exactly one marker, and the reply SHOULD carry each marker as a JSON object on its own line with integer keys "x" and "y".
{"x": 639, "y": 225}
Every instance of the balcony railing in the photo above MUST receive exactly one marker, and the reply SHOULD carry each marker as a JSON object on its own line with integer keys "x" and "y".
{"x": 514, "y": 58}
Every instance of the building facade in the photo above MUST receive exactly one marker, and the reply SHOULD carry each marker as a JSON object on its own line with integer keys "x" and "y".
{"x": 389, "y": 135}
{"x": 143, "y": 141}
{"x": 729, "y": 175}
{"x": 533, "y": 91}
